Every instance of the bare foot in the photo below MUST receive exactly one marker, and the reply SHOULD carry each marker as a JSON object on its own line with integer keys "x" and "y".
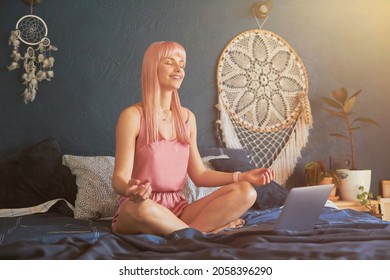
{"x": 238, "y": 223}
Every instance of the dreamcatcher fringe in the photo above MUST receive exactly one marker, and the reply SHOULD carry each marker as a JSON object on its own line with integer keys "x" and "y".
{"x": 228, "y": 135}
{"x": 285, "y": 163}
{"x": 287, "y": 159}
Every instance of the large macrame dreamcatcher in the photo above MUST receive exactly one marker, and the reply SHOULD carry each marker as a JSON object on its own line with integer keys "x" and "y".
{"x": 37, "y": 60}
{"x": 262, "y": 100}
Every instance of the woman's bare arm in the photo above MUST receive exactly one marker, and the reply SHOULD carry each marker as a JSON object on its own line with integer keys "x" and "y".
{"x": 127, "y": 130}
{"x": 208, "y": 178}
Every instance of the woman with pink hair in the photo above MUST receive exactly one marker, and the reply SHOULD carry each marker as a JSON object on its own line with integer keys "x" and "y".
{"x": 156, "y": 147}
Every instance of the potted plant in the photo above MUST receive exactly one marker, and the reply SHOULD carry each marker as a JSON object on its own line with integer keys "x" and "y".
{"x": 317, "y": 174}
{"x": 366, "y": 199}
{"x": 341, "y": 106}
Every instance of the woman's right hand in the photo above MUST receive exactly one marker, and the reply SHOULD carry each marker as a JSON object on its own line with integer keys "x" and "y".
{"x": 138, "y": 192}
{"x": 259, "y": 176}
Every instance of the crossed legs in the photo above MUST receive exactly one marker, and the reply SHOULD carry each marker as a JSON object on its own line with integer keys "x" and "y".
{"x": 221, "y": 209}
{"x": 213, "y": 213}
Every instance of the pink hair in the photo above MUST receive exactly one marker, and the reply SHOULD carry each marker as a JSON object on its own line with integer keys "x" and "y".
{"x": 151, "y": 90}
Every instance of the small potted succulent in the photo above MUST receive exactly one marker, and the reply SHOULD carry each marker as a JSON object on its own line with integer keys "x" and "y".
{"x": 317, "y": 174}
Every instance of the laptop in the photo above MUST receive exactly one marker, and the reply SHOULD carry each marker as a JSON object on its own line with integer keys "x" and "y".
{"x": 301, "y": 209}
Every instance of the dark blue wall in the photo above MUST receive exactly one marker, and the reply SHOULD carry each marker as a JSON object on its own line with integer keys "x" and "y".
{"x": 101, "y": 44}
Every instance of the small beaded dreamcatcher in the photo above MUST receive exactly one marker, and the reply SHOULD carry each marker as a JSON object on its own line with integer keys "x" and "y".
{"x": 37, "y": 60}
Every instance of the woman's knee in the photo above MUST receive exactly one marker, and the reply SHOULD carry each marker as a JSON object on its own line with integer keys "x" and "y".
{"x": 138, "y": 211}
{"x": 133, "y": 217}
{"x": 247, "y": 192}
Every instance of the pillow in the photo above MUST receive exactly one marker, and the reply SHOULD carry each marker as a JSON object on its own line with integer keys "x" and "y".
{"x": 56, "y": 205}
{"x": 268, "y": 196}
{"x": 231, "y": 165}
{"x": 238, "y": 154}
{"x": 35, "y": 175}
{"x": 96, "y": 197}
{"x": 191, "y": 191}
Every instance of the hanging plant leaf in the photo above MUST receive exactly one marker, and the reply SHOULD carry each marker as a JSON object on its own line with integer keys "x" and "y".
{"x": 339, "y": 136}
{"x": 366, "y": 120}
{"x": 332, "y": 103}
{"x": 341, "y": 95}
{"x": 334, "y": 113}
{"x": 349, "y": 104}
{"x": 356, "y": 94}
{"x": 352, "y": 129}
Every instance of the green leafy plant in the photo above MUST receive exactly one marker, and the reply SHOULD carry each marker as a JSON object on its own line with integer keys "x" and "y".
{"x": 315, "y": 172}
{"x": 365, "y": 198}
{"x": 341, "y": 106}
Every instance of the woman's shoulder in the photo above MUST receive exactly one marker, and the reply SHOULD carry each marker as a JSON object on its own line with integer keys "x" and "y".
{"x": 186, "y": 113}
{"x": 132, "y": 112}
{"x": 134, "y": 109}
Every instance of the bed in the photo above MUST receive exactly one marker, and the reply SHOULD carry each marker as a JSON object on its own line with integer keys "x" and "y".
{"x": 58, "y": 206}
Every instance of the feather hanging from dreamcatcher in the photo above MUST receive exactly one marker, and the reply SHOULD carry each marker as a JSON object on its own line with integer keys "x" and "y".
{"x": 32, "y": 49}
{"x": 263, "y": 100}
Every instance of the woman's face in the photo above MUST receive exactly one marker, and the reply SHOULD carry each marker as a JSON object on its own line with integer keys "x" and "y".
{"x": 171, "y": 73}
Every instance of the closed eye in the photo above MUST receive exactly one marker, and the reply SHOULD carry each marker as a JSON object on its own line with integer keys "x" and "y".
{"x": 171, "y": 61}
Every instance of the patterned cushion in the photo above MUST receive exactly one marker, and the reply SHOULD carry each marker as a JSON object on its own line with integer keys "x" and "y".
{"x": 192, "y": 192}
{"x": 96, "y": 197}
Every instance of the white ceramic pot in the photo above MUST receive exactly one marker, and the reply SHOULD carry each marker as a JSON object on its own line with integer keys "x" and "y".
{"x": 351, "y": 180}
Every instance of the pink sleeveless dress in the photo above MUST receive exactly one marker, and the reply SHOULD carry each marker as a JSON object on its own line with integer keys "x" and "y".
{"x": 164, "y": 165}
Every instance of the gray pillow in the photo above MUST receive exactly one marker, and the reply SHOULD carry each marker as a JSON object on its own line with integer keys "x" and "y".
{"x": 96, "y": 197}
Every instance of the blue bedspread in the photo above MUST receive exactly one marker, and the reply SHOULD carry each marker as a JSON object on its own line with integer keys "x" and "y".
{"x": 339, "y": 234}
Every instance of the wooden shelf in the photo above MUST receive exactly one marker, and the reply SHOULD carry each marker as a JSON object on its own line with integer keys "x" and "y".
{"x": 355, "y": 205}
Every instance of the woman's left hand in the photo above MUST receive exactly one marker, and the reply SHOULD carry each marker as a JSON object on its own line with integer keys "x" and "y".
{"x": 259, "y": 176}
